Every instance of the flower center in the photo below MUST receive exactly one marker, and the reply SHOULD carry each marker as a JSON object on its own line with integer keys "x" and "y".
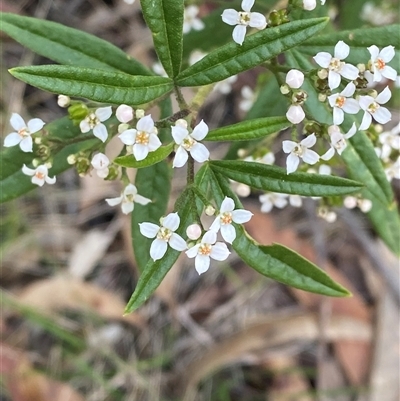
{"x": 244, "y": 18}
{"x": 188, "y": 143}
{"x": 205, "y": 249}
{"x": 336, "y": 65}
{"x": 142, "y": 138}
{"x": 164, "y": 234}
{"x": 39, "y": 175}
{"x": 340, "y": 144}
{"x": 226, "y": 218}
{"x": 380, "y": 64}
{"x": 373, "y": 107}
{"x": 23, "y": 132}
{"x": 298, "y": 150}
{"x": 340, "y": 101}
{"x": 92, "y": 120}
{"x": 129, "y": 198}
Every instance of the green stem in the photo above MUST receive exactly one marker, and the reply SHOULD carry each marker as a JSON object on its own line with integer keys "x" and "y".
{"x": 190, "y": 171}
{"x": 180, "y": 99}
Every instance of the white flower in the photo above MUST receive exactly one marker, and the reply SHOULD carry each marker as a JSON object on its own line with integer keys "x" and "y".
{"x": 295, "y": 114}
{"x": 226, "y": 216}
{"x": 372, "y": 108}
{"x": 190, "y": 20}
{"x": 127, "y": 199}
{"x": 243, "y": 19}
{"x": 248, "y": 98}
{"x": 300, "y": 151}
{"x": 309, "y": 4}
{"x": 94, "y": 122}
{"x": 164, "y": 235}
{"x": 39, "y": 175}
{"x": 336, "y": 66}
{"x": 338, "y": 140}
{"x": 23, "y": 133}
{"x": 350, "y": 202}
{"x": 379, "y": 60}
{"x": 295, "y": 200}
{"x": 393, "y": 170}
{"x": 188, "y": 143}
{"x": 206, "y": 249}
{"x": 390, "y": 140}
{"x": 294, "y": 79}
{"x": 271, "y": 199}
{"x": 100, "y": 163}
{"x": 225, "y": 86}
{"x": 124, "y": 113}
{"x": 144, "y": 138}
{"x": 193, "y": 231}
{"x": 343, "y": 103}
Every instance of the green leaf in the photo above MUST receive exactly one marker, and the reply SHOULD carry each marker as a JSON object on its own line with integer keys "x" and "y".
{"x": 247, "y": 130}
{"x": 257, "y": 48}
{"x": 14, "y": 183}
{"x": 154, "y": 157}
{"x": 275, "y": 179}
{"x": 358, "y": 40}
{"x": 98, "y": 85}
{"x": 165, "y": 20}
{"x": 154, "y": 272}
{"x": 153, "y": 182}
{"x": 275, "y": 261}
{"x": 67, "y": 45}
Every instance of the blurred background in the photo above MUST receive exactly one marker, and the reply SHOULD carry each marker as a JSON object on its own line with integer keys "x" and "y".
{"x": 68, "y": 268}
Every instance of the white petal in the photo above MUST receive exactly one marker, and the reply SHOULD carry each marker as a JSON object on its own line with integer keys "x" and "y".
{"x": 295, "y": 114}
{"x": 365, "y": 101}
{"x": 295, "y": 200}
{"x": 181, "y": 157}
{"x": 199, "y": 152}
{"x": 100, "y": 161}
{"x": 84, "y": 126}
{"x": 377, "y": 76}
{"x": 157, "y": 249}
{"x": 114, "y": 201}
{"x": 310, "y": 141}
{"x": 192, "y": 252}
{"x": 338, "y": 115}
{"x": 130, "y": 189}
{"x": 227, "y": 205}
{"x": 387, "y": 53}
{"x": 146, "y": 124}
{"x": 348, "y": 90}
{"x": 102, "y": 173}
{"x": 171, "y": 221}
{"x": 177, "y": 242}
{"x": 35, "y": 125}
{"x": 154, "y": 143}
{"x": 103, "y": 113}
{"x": 200, "y": 131}
{"x": 280, "y": 201}
{"x": 342, "y": 50}
{"x": 37, "y": 181}
{"x": 50, "y": 180}
{"x": 292, "y": 162}
{"x": 28, "y": 171}
{"x": 351, "y": 132}
{"x": 389, "y": 73}
{"x": 149, "y": 230}
{"x": 140, "y": 151}
{"x": 329, "y": 154}
{"x": 128, "y": 137}
{"x": 257, "y": 20}
{"x": 202, "y": 263}
{"x": 266, "y": 206}
{"x": 209, "y": 237}
{"x": 216, "y": 225}
{"x": 374, "y": 51}
{"x": 238, "y": 34}
{"x": 247, "y": 5}
{"x": 351, "y": 106}
{"x": 228, "y": 233}
{"x": 366, "y": 122}
{"x": 324, "y": 169}
{"x": 179, "y": 134}
{"x": 310, "y": 157}
{"x": 384, "y": 96}
{"x": 26, "y": 144}
{"x": 323, "y": 59}
{"x": 382, "y": 115}
{"x": 349, "y": 71}
{"x": 230, "y": 16}
{"x": 142, "y": 200}
{"x": 219, "y": 251}
{"x": 127, "y": 207}
{"x": 241, "y": 216}
{"x": 288, "y": 146}
{"x": 100, "y": 131}
{"x": 12, "y": 139}
{"x": 333, "y": 79}
{"x": 17, "y": 122}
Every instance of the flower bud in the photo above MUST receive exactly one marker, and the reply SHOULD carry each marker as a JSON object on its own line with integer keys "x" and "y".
{"x": 210, "y": 210}
{"x": 38, "y": 140}
{"x": 63, "y": 101}
{"x": 365, "y": 205}
{"x": 139, "y": 113}
{"x": 129, "y": 149}
{"x": 181, "y": 123}
{"x": 243, "y": 190}
{"x": 123, "y": 127}
{"x": 350, "y": 202}
{"x": 71, "y": 159}
{"x": 322, "y": 97}
{"x": 322, "y": 74}
{"x": 299, "y": 97}
{"x": 241, "y": 153}
{"x": 77, "y": 112}
{"x": 124, "y": 113}
{"x": 194, "y": 231}
{"x": 295, "y": 114}
{"x": 294, "y": 78}
{"x": 113, "y": 172}
{"x": 36, "y": 162}
{"x": 284, "y": 89}
{"x": 331, "y": 217}
{"x": 309, "y": 4}
{"x": 373, "y": 93}
{"x": 43, "y": 152}
{"x": 274, "y": 18}
{"x": 361, "y": 67}
{"x": 82, "y": 165}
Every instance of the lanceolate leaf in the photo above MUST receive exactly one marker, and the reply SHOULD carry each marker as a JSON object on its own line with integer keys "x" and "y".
{"x": 358, "y": 40}
{"x": 274, "y": 261}
{"x": 154, "y": 272}
{"x": 257, "y": 48}
{"x": 275, "y": 179}
{"x": 67, "y": 45}
{"x": 153, "y": 182}
{"x": 247, "y": 130}
{"x": 152, "y": 158}
{"x": 98, "y": 85}
{"x": 165, "y": 20}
